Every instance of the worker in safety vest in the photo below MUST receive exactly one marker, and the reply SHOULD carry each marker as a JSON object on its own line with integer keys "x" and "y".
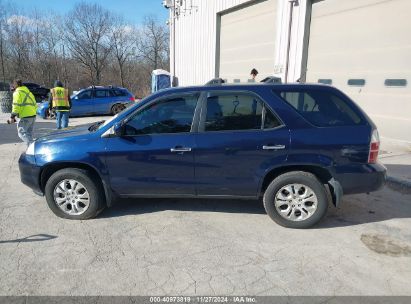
{"x": 60, "y": 102}
{"x": 24, "y": 107}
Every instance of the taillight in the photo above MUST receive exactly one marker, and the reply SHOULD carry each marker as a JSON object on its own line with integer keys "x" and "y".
{"x": 132, "y": 99}
{"x": 374, "y": 147}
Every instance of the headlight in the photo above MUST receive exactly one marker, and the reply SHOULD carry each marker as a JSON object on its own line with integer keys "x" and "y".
{"x": 30, "y": 149}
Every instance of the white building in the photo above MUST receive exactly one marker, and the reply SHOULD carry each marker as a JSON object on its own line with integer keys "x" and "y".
{"x": 363, "y": 47}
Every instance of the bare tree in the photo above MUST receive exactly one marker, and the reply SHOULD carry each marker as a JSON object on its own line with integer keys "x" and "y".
{"x": 20, "y": 39}
{"x": 87, "y": 30}
{"x": 3, "y": 30}
{"x": 53, "y": 44}
{"x": 152, "y": 43}
{"x": 123, "y": 45}
{"x": 89, "y": 45}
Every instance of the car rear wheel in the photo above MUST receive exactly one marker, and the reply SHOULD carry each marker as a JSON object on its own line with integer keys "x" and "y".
{"x": 74, "y": 194}
{"x": 117, "y": 108}
{"x": 296, "y": 200}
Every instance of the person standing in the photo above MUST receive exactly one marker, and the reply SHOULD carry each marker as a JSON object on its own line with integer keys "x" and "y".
{"x": 24, "y": 107}
{"x": 60, "y": 102}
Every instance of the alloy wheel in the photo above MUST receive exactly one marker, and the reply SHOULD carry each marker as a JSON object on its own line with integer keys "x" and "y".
{"x": 71, "y": 197}
{"x": 296, "y": 202}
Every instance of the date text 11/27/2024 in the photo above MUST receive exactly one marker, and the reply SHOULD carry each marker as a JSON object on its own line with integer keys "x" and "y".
{"x": 203, "y": 299}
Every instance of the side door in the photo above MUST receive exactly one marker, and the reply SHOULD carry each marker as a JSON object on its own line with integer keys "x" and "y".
{"x": 102, "y": 101}
{"x": 239, "y": 139}
{"x": 82, "y": 103}
{"x": 154, "y": 156}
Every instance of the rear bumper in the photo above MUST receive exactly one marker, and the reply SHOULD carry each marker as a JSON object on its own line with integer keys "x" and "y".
{"x": 30, "y": 173}
{"x": 361, "y": 178}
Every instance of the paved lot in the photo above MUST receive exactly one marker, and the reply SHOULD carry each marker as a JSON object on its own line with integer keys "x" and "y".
{"x": 203, "y": 247}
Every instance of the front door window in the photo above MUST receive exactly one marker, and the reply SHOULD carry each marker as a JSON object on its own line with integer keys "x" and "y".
{"x": 168, "y": 116}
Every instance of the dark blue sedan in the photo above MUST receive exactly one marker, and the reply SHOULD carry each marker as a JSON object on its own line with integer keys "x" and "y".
{"x": 95, "y": 101}
{"x": 298, "y": 147}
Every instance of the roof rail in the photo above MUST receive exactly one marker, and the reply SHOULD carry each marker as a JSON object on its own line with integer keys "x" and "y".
{"x": 215, "y": 81}
{"x": 272, "y": 79}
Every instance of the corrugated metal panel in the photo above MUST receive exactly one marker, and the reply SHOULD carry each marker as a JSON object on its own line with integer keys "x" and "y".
{"x": 196, "y": 34}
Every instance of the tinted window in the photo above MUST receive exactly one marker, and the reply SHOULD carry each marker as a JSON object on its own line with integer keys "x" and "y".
{"x": 84, "y": 95}
{"x": 270, "y": 121}
{"x": 168, "y": 116}
{"x": 321, "y": 108}
{"x": 101, "y": 93}
{"x": 118, "y": 92}
{"x": 237, "y": 112}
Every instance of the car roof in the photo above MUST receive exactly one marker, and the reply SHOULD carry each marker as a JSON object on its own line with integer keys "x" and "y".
{"x": 105, "y": 87}
{"x": 248, "y": 86}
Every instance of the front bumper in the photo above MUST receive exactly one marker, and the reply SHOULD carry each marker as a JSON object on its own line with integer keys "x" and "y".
{"x": 30, "y": 173}
{"x": 361, "y": 179}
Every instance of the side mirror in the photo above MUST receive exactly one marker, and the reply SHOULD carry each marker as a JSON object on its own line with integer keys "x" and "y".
{"x": 75, "y": 97}
{"x": 119, "y": 129}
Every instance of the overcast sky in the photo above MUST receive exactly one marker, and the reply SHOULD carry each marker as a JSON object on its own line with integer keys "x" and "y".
{"x": 133, "y": 10}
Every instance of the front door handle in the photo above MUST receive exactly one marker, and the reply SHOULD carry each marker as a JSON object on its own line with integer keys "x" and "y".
{"x": 276, "y": 147}
{"x": 180, "y": 149}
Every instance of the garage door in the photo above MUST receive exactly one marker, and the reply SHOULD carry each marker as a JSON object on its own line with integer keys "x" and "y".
{"x": 363, "y": 47}
{"x": 247, "y": 41}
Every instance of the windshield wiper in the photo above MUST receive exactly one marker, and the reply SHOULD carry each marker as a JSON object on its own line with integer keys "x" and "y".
{"x": 95, "y": 125}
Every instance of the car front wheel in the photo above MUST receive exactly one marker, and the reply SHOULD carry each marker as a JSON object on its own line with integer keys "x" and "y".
{"x": 296, "y": 200}
{"x": 74, "y": 194}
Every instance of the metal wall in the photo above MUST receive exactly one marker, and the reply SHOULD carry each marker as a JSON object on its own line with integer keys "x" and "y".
{"x": 363, "y": 48}
{"x": 247, "y": 40}
{"x": 195, "y": 40}
{"x": 197, "y": 35}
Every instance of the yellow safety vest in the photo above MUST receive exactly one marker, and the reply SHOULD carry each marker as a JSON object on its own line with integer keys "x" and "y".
{"x": 24, "y": 103}
{"x": 60, "y": 99}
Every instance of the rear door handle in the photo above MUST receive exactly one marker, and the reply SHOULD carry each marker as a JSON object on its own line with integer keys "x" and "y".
{"x": 180, "y": 149}
{"x": 276, "y": 147}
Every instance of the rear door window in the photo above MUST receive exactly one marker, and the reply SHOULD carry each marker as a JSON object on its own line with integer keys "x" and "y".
{"x": 321, "y": 108}
{"x": 84, "y": 95}
{"x": 230, "y": 112}
{"x": 101, "y": 93}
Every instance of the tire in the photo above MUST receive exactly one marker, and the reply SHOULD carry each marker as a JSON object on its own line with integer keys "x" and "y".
{"x": 86, "y": 209}
{"x": 6, "y": 101}
{"x": 298, "y": 210}
{"x": 46, "y": 114}
{"x": 117, "y": 108}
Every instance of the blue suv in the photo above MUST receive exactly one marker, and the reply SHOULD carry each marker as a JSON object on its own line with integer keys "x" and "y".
{"x": 94, "y": 100}
{"x": 299, "y": 147}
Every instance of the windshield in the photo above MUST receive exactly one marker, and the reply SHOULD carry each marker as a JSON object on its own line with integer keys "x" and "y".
{"x": 108, "y": 121}
{"x": 135, "y": 106}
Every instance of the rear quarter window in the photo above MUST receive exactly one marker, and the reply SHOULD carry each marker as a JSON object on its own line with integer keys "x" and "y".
{"x": 119, "y": 92}
{"x": 321, "y": 108}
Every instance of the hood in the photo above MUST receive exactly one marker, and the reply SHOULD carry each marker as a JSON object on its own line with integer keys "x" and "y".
{"x": 58, "y": 83}
{"x": 66, "y": 134}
